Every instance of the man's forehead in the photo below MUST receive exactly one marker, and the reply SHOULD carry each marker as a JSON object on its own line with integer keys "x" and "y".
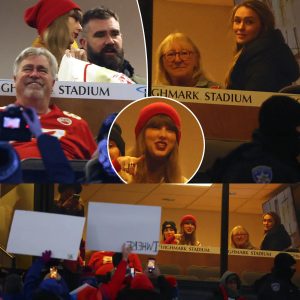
{"x": 35, "y": 60}
{"x": 103, "y": 25}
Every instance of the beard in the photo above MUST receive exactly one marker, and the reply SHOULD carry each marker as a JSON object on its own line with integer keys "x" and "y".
{"x": 35, "y": 92}
{"x": 112, "y": 62}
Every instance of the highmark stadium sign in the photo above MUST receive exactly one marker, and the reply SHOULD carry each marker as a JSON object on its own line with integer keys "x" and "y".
{"x": 214, "y": 96}
{"x": 119, "y": 91}
{"x": 216, "y": 250}
{"x": 86, "y": 90}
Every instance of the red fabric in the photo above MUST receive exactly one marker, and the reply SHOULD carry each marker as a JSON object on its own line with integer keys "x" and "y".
{"x": 116, "y": 165}
{"x": 111, "y": 289}
{"x": 172, "y": 280}
{"x": 169, "y": 240}
{"x": 225, "y": 295}
{"x": 89, "y": 293}
{"x": 42, "y": 14}
{"x": 187, "y": 218}
{"x": 74, "y": 135}
{"x": 96, "y": 262}
{"x": 141, "y": 282}
{"x": 84, "y": 72}
{"x": 154, "y": 109}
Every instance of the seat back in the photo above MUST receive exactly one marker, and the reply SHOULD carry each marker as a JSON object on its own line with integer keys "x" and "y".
{"x": 204, "y": 273}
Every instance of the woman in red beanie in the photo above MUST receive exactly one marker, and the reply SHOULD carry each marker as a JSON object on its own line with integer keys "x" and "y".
{"x": 57, "y": 23}
{"x": 188, "y": 225}
{"x": 154, "y": 158}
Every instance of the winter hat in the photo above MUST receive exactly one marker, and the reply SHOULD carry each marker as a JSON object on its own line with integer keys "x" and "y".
{"x": 141, "y": 282}
{"x": 186, "y": 218}
{"x": 168, "y": 224}
{"x": 116, "y": 136}
{"x": 279, "y": 115}
{"x": 158, "y": 108}
{"x": 105, "y": 126}
{"x": 283, "y": 260}
{"x": 42, "y": 14}
{"x": 282, "y": 265}
{"x": 53, "y": 286}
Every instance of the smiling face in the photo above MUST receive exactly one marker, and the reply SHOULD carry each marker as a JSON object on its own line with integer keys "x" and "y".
{"x": 168, "y": 232}
{"x": 160, "y": 141}
{"x": 34, "y": 82}
{"x": 240, "y": 238}
{"x": 246, "y": 25}
{"x": 180, "y": 61}
{"x": 189, "y": 227}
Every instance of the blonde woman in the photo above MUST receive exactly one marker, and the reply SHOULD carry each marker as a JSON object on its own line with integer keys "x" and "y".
{"x": 58, "y": 25}
{"x": 178, "y": 63}
{"x": 239, "y": 238}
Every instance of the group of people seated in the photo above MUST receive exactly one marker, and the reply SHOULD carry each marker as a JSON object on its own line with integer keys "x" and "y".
{"x": 186, "y": 235}
{"x": 275, "y": 238}
{"x": 110, "y": 276}
{"x": 270, "y": 157}
{"x": 119, "y": 276}
{"x": 262, "y": 60}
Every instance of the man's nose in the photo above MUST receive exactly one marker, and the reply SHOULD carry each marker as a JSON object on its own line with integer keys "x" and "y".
{"x": 34, "y": 73}
{"x": 109, "y": 39}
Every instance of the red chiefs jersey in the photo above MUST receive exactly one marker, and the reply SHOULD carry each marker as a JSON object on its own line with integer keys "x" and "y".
{"x": 73, "y": 133}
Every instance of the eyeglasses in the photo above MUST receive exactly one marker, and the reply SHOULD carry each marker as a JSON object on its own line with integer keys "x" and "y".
{"x": 170, "y": 56}
{"x": 240, "y": 234}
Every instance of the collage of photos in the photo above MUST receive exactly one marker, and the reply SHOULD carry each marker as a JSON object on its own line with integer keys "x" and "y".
{"x": 150, "y": 149}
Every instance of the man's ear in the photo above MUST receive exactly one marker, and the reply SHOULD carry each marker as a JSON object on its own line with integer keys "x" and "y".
{"x": 83, "y": 43}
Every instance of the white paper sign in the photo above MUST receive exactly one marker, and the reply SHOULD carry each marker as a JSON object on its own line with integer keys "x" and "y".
{"x": 32, "y": 233}
{"x": 110, "y": 225}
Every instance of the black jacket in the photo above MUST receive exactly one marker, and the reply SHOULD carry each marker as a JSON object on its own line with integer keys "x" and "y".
{"x": 277, "y": 239}
{"x": 273, "y": 287}
{"x": 266, "y": 64}
{"x": 263, "y": 160}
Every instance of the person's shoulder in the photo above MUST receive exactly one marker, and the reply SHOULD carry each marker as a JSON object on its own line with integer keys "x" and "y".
{"x": 138, "y": 79}
{"x": 204, "y": 82}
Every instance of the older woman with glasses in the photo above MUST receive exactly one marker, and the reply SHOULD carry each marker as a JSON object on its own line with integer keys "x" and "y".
{"x": 239, "y": 238}
{"x": 179, "y": 63}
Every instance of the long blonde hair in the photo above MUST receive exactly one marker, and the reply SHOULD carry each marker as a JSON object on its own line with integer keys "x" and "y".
{"x": 238, "y": 228}
{"x": 172, "y": 173}
{"x": 162, "y": 77}
{"x": 56, "y": 37}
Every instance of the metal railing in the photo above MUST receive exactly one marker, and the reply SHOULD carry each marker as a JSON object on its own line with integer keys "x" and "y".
{"x": 11, "y": 257}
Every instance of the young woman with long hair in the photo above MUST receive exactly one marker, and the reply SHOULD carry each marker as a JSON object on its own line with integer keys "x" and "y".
{"x": 155, "y": 155}
{"x": 263, "y": 61}
{"x": 58, "y": 25}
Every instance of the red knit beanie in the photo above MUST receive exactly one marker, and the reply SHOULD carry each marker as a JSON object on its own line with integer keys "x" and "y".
{"x": 158, "y": 108}
{"x": 41, "y": 15}
{"x": 188, "y": 218}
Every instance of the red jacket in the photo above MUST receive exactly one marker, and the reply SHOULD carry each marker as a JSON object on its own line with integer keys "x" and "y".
{"x": 74, "y": 135}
